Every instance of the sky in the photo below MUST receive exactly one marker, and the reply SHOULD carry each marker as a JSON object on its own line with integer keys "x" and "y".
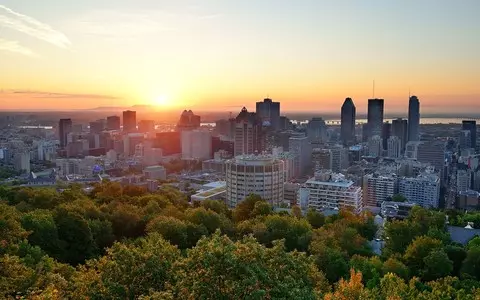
{"x": 224, "y": 54}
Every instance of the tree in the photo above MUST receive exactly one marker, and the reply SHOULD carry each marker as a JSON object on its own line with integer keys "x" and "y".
{"x": 332, "y": 262}
{"x": 296, "y": 212}
{"x": 471, "y": 264}
{"x": 11, "y": 231}
{"x": 457, "y": 255}
{"x": 418, "y": 250}
{"x": 218, "y": 268}
{"x": 261, "y": 208}
{"x": 127, "y": 271}
{"x": 399, "y": 198}
{"x": 315, "y": 218}
{"x": 43, "y": 231}
{"x": 179, "y": 233}
{"x": 437, "y": 265}
{"x": 399, "y": 234}
{"x": 210, "y": 219}
{"x": 244, "y": 209}
{"x": 351, "y": 289}
{"x": 394, "y": 266}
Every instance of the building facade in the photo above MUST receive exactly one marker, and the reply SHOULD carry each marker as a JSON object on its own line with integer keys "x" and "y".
{"x": 413, "y": 119}
{"x": 347, "y": 130}
{"x": 378, "y": 188}
{"x": 423, "y": 190}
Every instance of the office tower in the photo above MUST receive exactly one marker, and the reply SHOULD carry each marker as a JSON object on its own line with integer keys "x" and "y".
{"x": 339, "y": 158}
{"x": 113, "y": 123}
{"x": 188, "y": 121}
{"x": 146, "y": 126}
{"x": 433, "y": 152}
{"x": 64, "y": 128}
{"x": 130, "y": 141}
{"x": 285, "y": 123}
{"x": 375, "y": 146}
{"x": 464, "y": 180}
{"x": 196, "y": 144}
{"x": 464, "y": 140}
{"x": 400, "y": 130}
{"x": 378, "y": 188}
{"x": 249, "y": 138}
{"x": 260, "y": 175}
{"x": 322, "y": 159}
{"x": 97, "y": 126}
{"x": 331, "y": 191}
{"x": 269, "y": 111}
{"x": 386, "y": 133}
{"x": 347, "y": 132}
{"x": 365, "y": 132}
{"x": 375, "y": 117}
{"x": 472, "y": 127}
{"x": 413, "y": 119}
{"x": 394, "y": 149}
{"x": 300, "y": 148}
{"x": 129, "y": 121}
{"x": 169, "y": 142}
{"x": 22, "y": 162}
{"x": 317, "y": 131}
{"x": 423, "y": 190}
{"x": 225, "y": 128}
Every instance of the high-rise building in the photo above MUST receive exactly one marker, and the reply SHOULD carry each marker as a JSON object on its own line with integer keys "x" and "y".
{"x": 464, "y": 140}
{"x": 22, "y": 161}
{"x": 433, "y": 152}
{"x": 317, "y": 131}
{"x": 375, "y": 117}
{"x": 394, "y": 149}
{"x": 386, "y": 133}
{"x": 413, "y": 119}
{"x": 113, "y": 123}
{"x": 97, "y": 126}
{"x": 375, "y": 146}
{"x": 347, "y": 132}
{"x": 196, "y": 144}
{"x": 130, "y": 141}
{"x": 129, "y": 121}
{"x": 188, "y": 121}
{"x": 64, "y": 128}
{"x": 322, "y": 159}
{"x": 378, "y": 188}
{"x": 269, "y": 111}
{"x": 169, "y": 142}
{"x": 260, "y": 175}
{"x": 249, "y": 137}
{"x": 472, "y": 127}
{"x": 464, "y": 180}
{"x": 300, "y": 148}
{"x": 339, "y": 158}
{"x": 331, "y": 191}
{"x": 400, "y": 130}
{"x": 146, "y": 126}
{"x": 423, "y": 190}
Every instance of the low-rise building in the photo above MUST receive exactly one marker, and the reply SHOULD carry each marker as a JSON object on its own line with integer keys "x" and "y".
{"x": 155, "y": 173}
{"x": 423, "y": 190}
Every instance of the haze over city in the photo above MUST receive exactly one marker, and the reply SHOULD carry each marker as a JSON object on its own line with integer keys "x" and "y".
{"x": 222, "y": 55}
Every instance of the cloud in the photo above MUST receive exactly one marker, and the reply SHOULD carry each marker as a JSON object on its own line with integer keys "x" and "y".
{"x": 50, "y": 95}
{"x": 15, "y": 47}
{"x": 32, "y": 27}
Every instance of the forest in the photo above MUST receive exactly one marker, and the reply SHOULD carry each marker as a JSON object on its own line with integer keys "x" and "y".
{"x": 125, "y": 243}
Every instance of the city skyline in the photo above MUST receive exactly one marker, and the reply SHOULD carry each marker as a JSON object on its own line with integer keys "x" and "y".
{"x": 215, "y": 55}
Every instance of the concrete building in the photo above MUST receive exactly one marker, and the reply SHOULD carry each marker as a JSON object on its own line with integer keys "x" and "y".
{"x": 411, "y": 150}
{"x": 464, "y": 180}
{"x": 269, "y": 111}
{"x": 468, "y": 200}
{"x": 188, "y": 121}
{"x": 378, "y": 188}
{"x": 249, "y": 138}
{"x": 300, "y": 148}
{"x": 394, "y": 149}
{"x": 472, "y": 127}
{"x": 129, "y": 121}
{"x": 212, "y": 191}
{"x": 413, "y": 119}
{"x": 400, "y": 130}
{"x": 322, "y": 159}
{"x": 261, "y": 175}
{"x": 423, "y": 190}
{"x": 317, "y": 131}
{"x": 155, "y": 173}
{"x": 347, "y": 126}
{"x": 375, "y": 146}
{"x": 433, "y": 152}
{"x": 464, "y": 140}
{"x": 331, "y": 191}
{"x": 146, "y": 126}
{"x": 22, "y": 161}
{"x": 196, "y": 144}
{"x": 375, "y": 117}
{"x": 339, "y": 158}
{"x": 130, "y": 141}
{"x": 290, "y": 193}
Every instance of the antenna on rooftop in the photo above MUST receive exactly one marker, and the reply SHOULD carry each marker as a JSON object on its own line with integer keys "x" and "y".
{"x": 374, "y": 89}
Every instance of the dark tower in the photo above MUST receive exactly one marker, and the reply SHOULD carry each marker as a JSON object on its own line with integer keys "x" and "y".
{"x": 348, "y": 122}
{"x": 413, "y": 119}
{"x": 472, "y": 127}
{"x": 375, "y": 117}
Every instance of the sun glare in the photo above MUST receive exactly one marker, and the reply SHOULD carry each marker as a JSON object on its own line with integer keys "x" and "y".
{"x": 162, "y": 101}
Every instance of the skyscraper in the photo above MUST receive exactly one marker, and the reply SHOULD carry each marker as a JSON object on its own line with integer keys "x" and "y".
{"x": 129, "y": 121}
{"x": 113, "y": 123}
{"x": 188, "y": 121}
{"x": 400, "y": 130}
{"x": 249, "y": 137}
{"x": 413, "y": 119}
{"x": 386, "y": 133}
{"x": 269, "y": 111}
{"x": 348, "y": 112}
{"x": 64, "y": 128}
{"x": 433, "y": 152}
{"x": 472, "y": 127}
{"x": 375, "y": 117}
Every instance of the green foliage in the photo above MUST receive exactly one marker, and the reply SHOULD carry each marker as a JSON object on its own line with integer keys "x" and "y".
{"x": 11, "y": 230}
{"x": 437, "y": 265}
{"x": 399, "y": 198}
{"x": 396, "y": 267}
{"x": 244, "y": 209}
{"x": 315, "y": 218}
{"x": 418, "y": 250}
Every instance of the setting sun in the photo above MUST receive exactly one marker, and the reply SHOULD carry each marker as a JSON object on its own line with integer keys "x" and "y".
{"x": 162, "y": 101}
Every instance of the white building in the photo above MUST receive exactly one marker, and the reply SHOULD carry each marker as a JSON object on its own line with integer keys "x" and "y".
{"x": 262, "y": 175}
{"x": 375, "y": 146}
{"x": 394, "y": 147}
{"x": 299, "y": 147}
{"x": 155, "y": 173}
{"x": 46, "y": 150}
{"x": 211, "y": 191}
{"x": 290, "y": 191}
{"x": 423, "y": 190}
{"x": 22, "y": 162}
{"x": 196, "y": 144}
{"x": 378, "y": 188}
{"x": 76, "y": 166}
{"x": 464, "y": 180}
{"x": 411, "y": 150}
{"x": 328, "y": 191}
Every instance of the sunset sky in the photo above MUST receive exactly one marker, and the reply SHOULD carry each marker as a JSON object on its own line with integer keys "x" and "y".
{"x": 219, "y": 54}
